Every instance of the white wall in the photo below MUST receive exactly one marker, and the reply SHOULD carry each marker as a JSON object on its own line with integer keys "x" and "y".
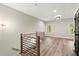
{"x": 60, "y": 28}
{"x": 16, "y": 23}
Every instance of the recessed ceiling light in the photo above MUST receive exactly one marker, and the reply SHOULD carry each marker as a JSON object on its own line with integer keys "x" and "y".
{"x": 54, "y": 10}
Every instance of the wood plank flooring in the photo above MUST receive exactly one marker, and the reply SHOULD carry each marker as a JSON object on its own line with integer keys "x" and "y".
{"x": 51, "y": 46}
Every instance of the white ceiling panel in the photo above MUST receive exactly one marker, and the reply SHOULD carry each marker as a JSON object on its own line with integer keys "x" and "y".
{"x": 46, "y": 11}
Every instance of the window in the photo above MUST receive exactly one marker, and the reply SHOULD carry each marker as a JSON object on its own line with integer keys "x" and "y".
{"x": 71, "y": 29}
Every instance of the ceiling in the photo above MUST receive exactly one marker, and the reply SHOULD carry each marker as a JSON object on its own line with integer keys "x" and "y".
{"x": 46, "y": 11}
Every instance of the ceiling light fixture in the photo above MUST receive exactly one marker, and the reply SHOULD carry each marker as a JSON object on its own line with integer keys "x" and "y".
{"x": 58, "y": 17}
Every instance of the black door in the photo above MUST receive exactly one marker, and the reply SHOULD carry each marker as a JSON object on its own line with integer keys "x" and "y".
{"x": 77, "y": 32}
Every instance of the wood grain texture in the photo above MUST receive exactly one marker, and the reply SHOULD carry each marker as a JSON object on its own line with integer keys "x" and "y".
{"x": 30, "y": 46}
{"x": 51, "y": 46}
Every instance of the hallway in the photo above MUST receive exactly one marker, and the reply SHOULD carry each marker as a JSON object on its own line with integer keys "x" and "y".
{"x": 52, "y": 46}
{"x": 54, "y": 20}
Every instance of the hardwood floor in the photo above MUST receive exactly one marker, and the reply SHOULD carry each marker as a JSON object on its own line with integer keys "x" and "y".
{"x": 56, "y": 47}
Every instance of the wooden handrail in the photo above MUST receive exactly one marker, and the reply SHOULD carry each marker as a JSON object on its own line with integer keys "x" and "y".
{"x": 21, "y": 43}
{"x": 28, "y": 34}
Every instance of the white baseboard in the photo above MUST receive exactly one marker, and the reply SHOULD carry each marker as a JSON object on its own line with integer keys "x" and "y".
{"x": 61, "y": 36}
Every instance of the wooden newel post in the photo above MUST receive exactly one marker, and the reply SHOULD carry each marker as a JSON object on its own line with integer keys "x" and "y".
{"x": 38, "y": 45}
{"x": 21, "y": 43}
